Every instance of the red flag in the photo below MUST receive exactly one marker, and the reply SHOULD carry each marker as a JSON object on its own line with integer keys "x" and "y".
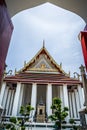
{"x": 6, "y": 28}
{"x": 84, "y": 46}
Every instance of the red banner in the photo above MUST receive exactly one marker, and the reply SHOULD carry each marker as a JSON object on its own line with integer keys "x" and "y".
{"x": 6, "y": 28}
{"x": 84, "y": 46}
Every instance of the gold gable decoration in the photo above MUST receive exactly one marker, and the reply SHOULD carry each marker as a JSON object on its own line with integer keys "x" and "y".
{"x": 42, "y": 65}
{"x": 48, "y": 63}
{"x": 42, "y": 70}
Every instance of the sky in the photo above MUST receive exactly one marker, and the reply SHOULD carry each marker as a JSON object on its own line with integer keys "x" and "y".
{"x": 59, "y": 28}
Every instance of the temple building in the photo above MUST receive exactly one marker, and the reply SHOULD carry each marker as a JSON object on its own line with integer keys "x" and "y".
{"x": 37, "y": 83}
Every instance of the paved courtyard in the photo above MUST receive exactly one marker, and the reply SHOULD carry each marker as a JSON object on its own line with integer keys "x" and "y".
{"x": 42, "y": 128}
{"x": 39, "y": 128}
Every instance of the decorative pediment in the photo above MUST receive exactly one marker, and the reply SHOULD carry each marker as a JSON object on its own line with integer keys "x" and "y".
{"x": 43, "y": 62}
{"x": 42, "y": 65}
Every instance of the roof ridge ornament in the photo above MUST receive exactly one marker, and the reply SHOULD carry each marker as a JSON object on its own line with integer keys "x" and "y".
{"x": 43, "y": 43}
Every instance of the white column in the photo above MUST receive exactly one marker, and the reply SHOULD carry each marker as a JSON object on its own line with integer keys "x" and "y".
{"x": 83, "y": 95}
{"x": 11, "y": 100}
{"x": 77, "y": 102}
{"x": 80, "y": 96}
{"x": 61, "y": 95}
{"x": 65, "y": 97}
{"x": 5, "y": 97}
{"x": 86, "y": 118}
{"x": 16, "y": 99}
{"x": 58, "y": 88}
{"x": 70, "y": 103}
{"x": 49, "y": 99}
{"x": 74, "y": 106}
{"x": 2, "y": 92}
{"x": 21, "y": 96}
{"x": 34, "y": 97}
{"x": 13, "y": 95}
{"x": 8, "y": 101}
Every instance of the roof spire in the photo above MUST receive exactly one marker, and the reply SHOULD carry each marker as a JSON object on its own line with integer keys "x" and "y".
{"x": 43, "y": 43}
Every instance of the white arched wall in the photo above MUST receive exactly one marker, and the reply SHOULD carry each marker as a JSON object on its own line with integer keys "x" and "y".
{"x": 78, "y": 7}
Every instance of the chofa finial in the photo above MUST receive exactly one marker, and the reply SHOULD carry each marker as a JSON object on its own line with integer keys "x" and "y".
{"x": 15, "y": 70}
{"x": 43, "y": 43}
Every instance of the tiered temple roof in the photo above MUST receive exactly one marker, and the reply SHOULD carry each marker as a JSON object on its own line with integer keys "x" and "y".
{"x": 41, "y": 78}
{"x": 42, "y": 69}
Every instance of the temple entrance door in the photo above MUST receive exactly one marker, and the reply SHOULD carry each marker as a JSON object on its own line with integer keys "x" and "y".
{"x": 41, "y": 112}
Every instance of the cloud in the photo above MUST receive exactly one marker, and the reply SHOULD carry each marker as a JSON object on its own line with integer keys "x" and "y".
{"x": 58, "y": 27}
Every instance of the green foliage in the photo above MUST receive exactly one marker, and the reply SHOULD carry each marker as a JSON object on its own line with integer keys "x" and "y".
{"x": 22, "y": 128}
{"x": 72, "y": 121}
{"x": 8, "y": 126}
{"x": 2, "y": 126}
{"x": 22, "y": 110}
{"x": 59, "y": 113}
{"x": 11, "y": 126}
{"x": 13, "y": 120}
{"x": 25, "y": 112}
{"x": 75, "y": 127}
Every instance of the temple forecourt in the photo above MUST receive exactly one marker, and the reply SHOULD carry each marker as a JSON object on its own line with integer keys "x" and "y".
{"x": 37, "y": 83}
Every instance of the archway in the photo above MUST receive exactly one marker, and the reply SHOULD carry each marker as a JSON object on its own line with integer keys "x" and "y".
{"x": 27, "y": 20}
{"x": 74, "y": 6}
{"x": 78, "y": 8}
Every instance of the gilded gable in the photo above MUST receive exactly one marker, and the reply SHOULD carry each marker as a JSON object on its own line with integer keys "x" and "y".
{"x": 43, "y": 62}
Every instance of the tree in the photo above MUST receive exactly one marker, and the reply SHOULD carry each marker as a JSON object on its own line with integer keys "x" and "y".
{"x": 59, "y": 113}
{"x": 25, "y": 112}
